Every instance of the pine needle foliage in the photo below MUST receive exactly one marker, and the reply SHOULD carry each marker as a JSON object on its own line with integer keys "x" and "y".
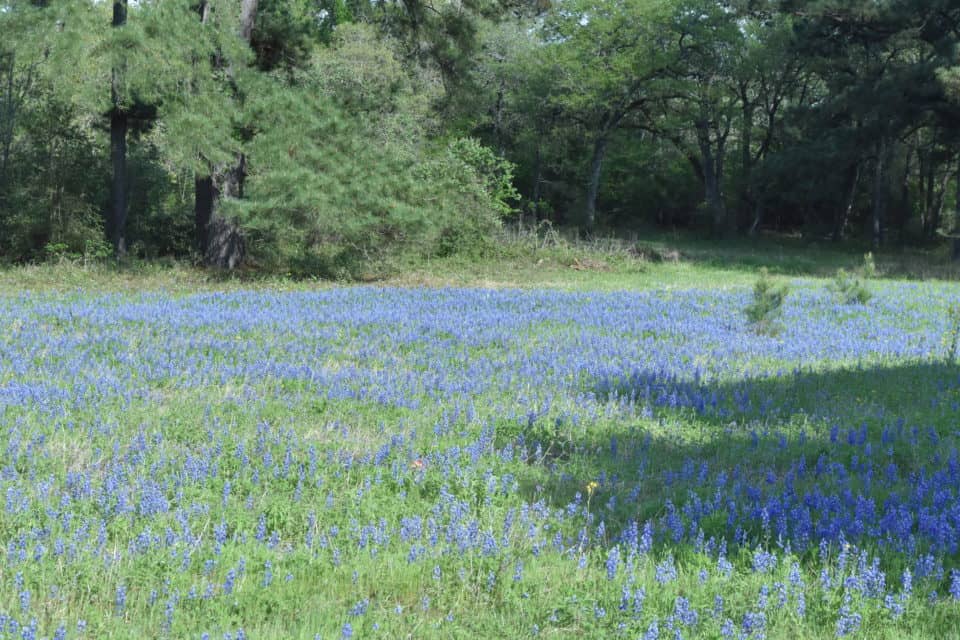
{"x": 851, "y": 288}
{"x": 952, "y": 337}
{"x": 334, "y": 195}
{"x": 765, "y": 311}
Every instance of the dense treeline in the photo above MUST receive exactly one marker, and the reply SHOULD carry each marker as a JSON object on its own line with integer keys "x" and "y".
{"x": 316, "y": 134}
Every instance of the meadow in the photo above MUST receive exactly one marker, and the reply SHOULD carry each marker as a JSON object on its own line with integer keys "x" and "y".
{"x": 393, "y": 462}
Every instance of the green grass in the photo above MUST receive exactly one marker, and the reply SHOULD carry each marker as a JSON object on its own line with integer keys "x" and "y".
{"x": 526, "y": 260}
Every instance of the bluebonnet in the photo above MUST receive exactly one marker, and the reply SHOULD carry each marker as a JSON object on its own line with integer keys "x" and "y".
{"x": 955, "y": 584}
{"x": 893, "y": 605}
{"x": 120, "y": 598}
{"x": 646, "y": 540}
{"x": 724, "y": 566}
{"x": 229, "y": 581}
{"x": 360, "y": 608}
{"x": 267, "y": 573}
{"x": 848, "y": 621}
{"x": 653, "y": 630}
{"x": 666, "y": 571}
{"x": 613, "y": 562}
{"x": 683, "y": 612}
{"x": 906, "y": 582}
{"x": 717, "y": 610}
{"x": 401, "y": 350}
{"x": 727, "y": 629}
{"x": 764, "y": 561}
{"x": 754, "y": 623}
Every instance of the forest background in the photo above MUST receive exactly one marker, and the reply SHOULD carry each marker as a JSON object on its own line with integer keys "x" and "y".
{"x": 331, "y": 137}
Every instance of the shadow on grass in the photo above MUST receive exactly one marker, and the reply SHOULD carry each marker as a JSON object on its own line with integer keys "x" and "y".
{"x": 805, "y": 457}
{"x": 797, "y": 257}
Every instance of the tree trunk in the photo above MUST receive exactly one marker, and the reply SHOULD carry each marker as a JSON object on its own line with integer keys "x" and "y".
{"x": 936, "y": 210}
{"x": 498, "y": 135}
{"x": 203, "y": 197}
{"x": 117, "y": 220}
{"x": 879, "y": 194}
{"x": 955, "y": 249}
{"x": 593, "y": 189}
{"x": 758, "y": 210}
{"x": 926, "y": 188}
{"x": 118, "y": 185}
{"x": 934, "y": 191}
{"x": 711, "y": 179}
{"x": 843, "y": 214}
{"x": 904, "y": 205}
{"x": 219, "y": 239}
{"x": 7, "y": 118}
{"x": 248, "y": 13}
{"x": 746, "y": 156}
{"x": 537, "y": 183}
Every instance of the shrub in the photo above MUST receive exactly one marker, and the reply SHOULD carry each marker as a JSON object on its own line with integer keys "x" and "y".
{"x": 767, "y": 306}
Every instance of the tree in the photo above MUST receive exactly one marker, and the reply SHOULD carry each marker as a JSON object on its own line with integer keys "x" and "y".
{"x": 340, "y": 176}
{"x": 611, "y": 59}
{"x": 711, "y": 48}
{"x": 117, "y": 218}
{"x": 220, "y": 241}
{"x": 877, "y": 63}
{"x": 53, "y": 175}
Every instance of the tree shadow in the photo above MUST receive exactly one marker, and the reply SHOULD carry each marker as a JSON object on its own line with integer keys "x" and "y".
{"x": 796, "y": 257}
{"x": 864, "y": 455}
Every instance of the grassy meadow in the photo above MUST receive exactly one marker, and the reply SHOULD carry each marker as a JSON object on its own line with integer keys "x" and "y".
{"x": 566, "y": 441}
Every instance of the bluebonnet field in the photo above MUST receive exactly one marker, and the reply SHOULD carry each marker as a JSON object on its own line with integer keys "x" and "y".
{"x": 393, "y": 463}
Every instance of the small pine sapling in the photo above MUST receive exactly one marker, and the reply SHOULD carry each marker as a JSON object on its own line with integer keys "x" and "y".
{"x": 851, "y": 288}
{"x": 953, "y": 334}
{"x": 767, "y": 306}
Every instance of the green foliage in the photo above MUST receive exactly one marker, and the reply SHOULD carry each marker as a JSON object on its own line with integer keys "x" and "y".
{"x": 336, "y": 196}
{"x": 94, "y": 249}
{"x": 851, "y": 288}
{"x": 765, "y": 310}
{"x": 432, "y": 113}
{"x": 495, "y": 174}
{"x": 286, "y": 31}
{"x": 952, "y": 337}
{"x": 364, "y": 74}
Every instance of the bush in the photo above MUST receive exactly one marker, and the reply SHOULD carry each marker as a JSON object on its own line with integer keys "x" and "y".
{"x": 478, "y": 185}
{"x": 767, "y": 306}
